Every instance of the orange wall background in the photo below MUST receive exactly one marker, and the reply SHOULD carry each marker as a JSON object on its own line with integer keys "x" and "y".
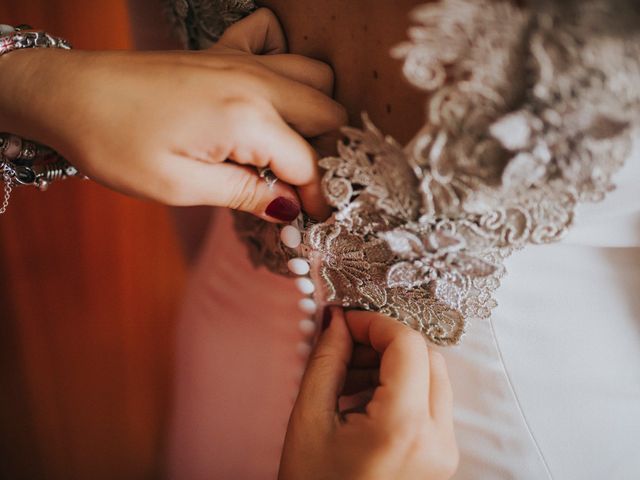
{"x": 89, "y": 284}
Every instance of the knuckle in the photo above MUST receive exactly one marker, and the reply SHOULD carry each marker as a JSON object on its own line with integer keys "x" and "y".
{"x": 444, "y": 455}
{"x": 384, "y": 437}
{"x": 454, "y": 460}
{"x": 218, "y": 152}
{"x": 172, "y": 192}
{"x": 265, "y": 15}
{"x": 342, "y": 115}
{"x": 448, "y": 463}
{"x": 242, "y": 75}
{"x": 437, "y": 357}
{"x": 396, "y": 434}
{"x": 408, "y": 427}
{"x": 242, "y": 155}
{"x": 321, "y": 363}
{"x": 299, "y": 415}
{"x": 325, "y": 74}
{"x": 438, "y": 363}
{"x": 251, "y": 73}
{"x": 413, "y": 339}
{"x": 413, "y": 336}
{"x": 240, "y": 111}
{"x": 321, "y": 359}
{"x": 244, "y": 194}
{"x": 319, "y": 74}
{"x": 238, "y": 107}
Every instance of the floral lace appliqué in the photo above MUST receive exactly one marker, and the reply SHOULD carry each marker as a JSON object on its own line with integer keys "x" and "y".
{"x": 530, "y": 110}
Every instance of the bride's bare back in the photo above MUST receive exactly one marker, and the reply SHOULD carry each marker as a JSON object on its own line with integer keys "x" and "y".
{"x": 233, "y": 311}
{"x": 355, "y": 37}
{"x": 241, "y": 346}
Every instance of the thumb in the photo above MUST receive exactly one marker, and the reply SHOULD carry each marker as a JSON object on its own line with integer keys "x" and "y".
{"x": 327, "y": 368}
{"x": 234, "y": 186}
{"x": 259, "y": 33}
{"x": 242, "y": 188}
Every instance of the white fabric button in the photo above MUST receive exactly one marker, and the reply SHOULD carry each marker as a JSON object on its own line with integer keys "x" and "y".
{"x": 298, "y": 375}
{"x": 291, "y": 236}
{"x": 305, "y": 285}
{"x": 307, "y": 326}
{"x": 299, "y": 266}
{"x": 4, "y": 29}
{"x": 307, "y": 306}
{"x": 304, "y": 349}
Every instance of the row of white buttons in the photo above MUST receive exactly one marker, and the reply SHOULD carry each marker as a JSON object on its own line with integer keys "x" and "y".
{"x": 292, "y": 238}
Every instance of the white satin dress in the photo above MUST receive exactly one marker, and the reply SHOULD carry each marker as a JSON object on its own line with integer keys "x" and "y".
{"x": 548, "y": 388}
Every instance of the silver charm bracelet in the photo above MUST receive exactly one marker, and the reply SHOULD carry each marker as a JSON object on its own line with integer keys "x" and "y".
{"x": 23, "y": 162}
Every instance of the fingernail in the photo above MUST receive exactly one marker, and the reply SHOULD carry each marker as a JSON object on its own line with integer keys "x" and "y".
{"x": 283, "y": 209}
{"x": 326, "y": 318}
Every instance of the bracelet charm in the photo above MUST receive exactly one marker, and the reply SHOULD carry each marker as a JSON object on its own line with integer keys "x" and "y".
{"x": 23, "y": 162}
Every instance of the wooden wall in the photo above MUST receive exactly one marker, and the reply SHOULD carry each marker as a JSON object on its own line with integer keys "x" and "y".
{"x": 89, "y": 283}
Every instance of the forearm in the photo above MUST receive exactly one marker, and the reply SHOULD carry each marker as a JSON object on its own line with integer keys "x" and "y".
{"x": 39, "y": 87}
{"x": 26, "y": 90}
{"x": 17, "y": 70}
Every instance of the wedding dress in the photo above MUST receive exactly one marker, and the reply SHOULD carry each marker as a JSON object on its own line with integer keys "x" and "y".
{"x": 546, "y": 383}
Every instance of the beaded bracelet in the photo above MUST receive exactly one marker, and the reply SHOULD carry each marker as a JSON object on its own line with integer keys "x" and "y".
{"x": 23, "y": 162}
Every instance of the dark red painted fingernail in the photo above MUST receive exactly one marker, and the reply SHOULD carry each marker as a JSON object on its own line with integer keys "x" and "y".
{"x": 326, "y": 318}
{"x": 283, "y": 209}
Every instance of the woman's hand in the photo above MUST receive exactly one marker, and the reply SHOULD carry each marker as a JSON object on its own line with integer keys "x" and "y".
{"x": 183, "y": 128}
{"x": 404, "y": 431}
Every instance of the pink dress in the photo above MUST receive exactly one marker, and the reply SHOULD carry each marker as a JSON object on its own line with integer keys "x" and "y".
{"x": 241, "y": 353}
{"x": 548, "y": 388}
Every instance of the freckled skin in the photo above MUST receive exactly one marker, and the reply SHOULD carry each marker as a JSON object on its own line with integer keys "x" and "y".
{"x": 355, "y": 36}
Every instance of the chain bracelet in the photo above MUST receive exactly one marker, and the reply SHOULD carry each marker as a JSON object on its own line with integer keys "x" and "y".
{"x": 22, "y": 38}
{"x": 7, "y": 177}
{"x": 24, "y": 162}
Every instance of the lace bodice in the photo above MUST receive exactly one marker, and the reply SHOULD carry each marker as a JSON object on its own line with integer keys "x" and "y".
{"x": 529, "y": 111}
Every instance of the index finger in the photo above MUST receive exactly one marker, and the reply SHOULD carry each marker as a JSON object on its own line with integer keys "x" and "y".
{"x": 404, "y": 364}
{"x": 259, "y": 33}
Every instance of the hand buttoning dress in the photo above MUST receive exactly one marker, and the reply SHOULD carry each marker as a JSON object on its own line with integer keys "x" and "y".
{"x": 507, "y": 230}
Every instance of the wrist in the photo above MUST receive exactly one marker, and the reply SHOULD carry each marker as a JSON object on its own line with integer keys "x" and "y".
{"x": 31, "y": 88}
